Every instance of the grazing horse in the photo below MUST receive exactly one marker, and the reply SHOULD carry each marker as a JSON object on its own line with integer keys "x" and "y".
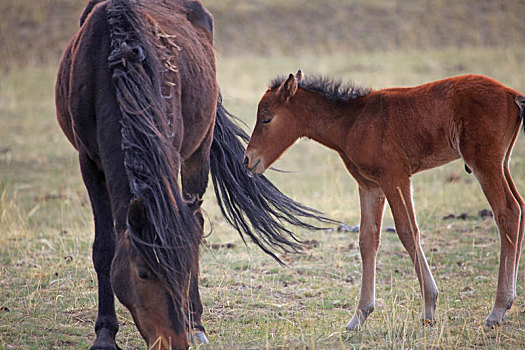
{"x": 384, "y": 137}
{"x": 136, "y": 95}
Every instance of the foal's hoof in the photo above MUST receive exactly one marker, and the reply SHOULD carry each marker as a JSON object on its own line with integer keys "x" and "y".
{"x": 355, "y": 324}
{"x": 493, "y": 321}
{"x": 497, "y": 316}
{"x": 198, "y": 337}
{"x": 428, "y": 322}
{"x": 493, "y": 324}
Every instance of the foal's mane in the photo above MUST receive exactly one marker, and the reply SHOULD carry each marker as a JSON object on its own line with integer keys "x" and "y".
{"x": 331, "y": 88}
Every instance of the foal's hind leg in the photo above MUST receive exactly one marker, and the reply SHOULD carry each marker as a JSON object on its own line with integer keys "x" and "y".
{"x": 507, "y": 216}
{"x": 399, "y": 196}
{"x": 106, "y": 326}
{"x": 522, "y": 214}
{"x": 372, "y": 208}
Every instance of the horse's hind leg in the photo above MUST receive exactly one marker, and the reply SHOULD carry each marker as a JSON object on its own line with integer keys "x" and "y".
{"x": 506, "y": 210}
{"x": 197, "y": 333}
{"x": 399, "y": 196}
{"x": 195, "y": 170}
{"x": 194, "y": 178}
{"x": 372, "y": 208}
{"x": 106, "y": 326}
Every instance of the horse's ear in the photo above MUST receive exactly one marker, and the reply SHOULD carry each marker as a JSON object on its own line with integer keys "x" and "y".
{"x": 136, "y": 215}
{"x": 288, "y": 89}
{"x": 299, "y": 75}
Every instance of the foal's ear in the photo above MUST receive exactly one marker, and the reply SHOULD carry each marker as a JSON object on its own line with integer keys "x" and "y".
{"x": 136, "y": 215}
{"x": 299, "y": 75}
{"x": 288, "y": 89}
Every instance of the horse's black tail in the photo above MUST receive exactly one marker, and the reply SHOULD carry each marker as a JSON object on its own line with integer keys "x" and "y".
{"x": 251, "y": 203}
{"x": 168, "y": 240}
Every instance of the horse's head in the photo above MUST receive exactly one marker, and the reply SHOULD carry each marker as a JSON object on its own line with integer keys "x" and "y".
{"x": 159, "y": 311}
{"x": 276, "y": 128}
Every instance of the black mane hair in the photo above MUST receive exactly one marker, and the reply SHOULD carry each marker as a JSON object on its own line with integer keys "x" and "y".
{"x": 331, "y": 88}
{"x": 169, "y": 241}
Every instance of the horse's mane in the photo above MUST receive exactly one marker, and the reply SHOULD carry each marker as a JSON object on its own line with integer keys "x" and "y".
{"x": 331, "y": 88}
{"x": 169, "y": 241}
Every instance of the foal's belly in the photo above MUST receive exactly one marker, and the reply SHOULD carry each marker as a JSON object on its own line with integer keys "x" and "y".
{"x": 434, "y": 160}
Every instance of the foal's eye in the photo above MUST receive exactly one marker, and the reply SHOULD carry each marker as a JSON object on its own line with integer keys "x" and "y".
{"x": 143, "y": 274}
{"x": 267, "y": 120}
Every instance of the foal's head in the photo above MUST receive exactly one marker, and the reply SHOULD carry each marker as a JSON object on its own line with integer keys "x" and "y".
{"x": 276, "y": 128}
{"x": 158, "y": 302}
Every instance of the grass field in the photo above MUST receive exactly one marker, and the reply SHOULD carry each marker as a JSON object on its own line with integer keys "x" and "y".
{"x": 48, "y": 296}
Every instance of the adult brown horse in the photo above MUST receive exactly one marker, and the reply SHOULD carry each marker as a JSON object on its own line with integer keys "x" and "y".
{"x": 137, "y": 97}
{"x": 384, "y": 137}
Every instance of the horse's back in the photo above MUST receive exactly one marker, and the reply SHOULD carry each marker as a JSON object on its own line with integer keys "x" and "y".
{"x": 83, "y": 81}
{"x": 182, "y": 34}
{"x": 179, "y": 33}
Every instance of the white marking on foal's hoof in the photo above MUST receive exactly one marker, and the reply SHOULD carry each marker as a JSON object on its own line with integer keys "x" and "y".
{"x": 356, "y": 322}
{"x": 197, "y": 338}
{"x": 353, "y": 325}
{"x": 359, "y": 318}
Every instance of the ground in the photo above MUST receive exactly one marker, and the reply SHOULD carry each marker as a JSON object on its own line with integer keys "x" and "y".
{"x": 48, "y": 292}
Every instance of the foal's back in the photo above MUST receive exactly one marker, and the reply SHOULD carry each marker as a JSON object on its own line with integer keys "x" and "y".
{"x": 435, "y": 123}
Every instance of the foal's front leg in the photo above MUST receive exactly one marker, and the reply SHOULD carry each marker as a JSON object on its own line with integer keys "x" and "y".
{"x": 399, "y": 196}
{"x": 372, "y": 208}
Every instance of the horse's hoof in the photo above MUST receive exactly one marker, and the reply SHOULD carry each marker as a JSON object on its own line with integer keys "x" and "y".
{"x": 198, "y": 337}
{"x": 105, "y": 340}
{"x": 104, "y": 346}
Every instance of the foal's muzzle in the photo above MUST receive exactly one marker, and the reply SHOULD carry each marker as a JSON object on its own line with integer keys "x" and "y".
{"x": 253, "y": 163}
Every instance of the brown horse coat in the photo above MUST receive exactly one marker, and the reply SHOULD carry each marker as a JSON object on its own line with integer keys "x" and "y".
{"x": 137, "y": 97}
{"x": 387, "y": 135}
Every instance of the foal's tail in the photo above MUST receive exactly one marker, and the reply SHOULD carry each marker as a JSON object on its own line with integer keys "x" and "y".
{"x": 251, "y": 203}
{"x": 520, "y": 101}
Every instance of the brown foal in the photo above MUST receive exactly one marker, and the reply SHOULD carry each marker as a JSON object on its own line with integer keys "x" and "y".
{"x": 384, "y": 137}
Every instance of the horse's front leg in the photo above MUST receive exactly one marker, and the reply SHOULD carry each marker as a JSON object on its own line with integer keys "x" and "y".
{"x": 372, "y": 208}
{"x": 399, "y": 196}
{"x": 106, "y": 326}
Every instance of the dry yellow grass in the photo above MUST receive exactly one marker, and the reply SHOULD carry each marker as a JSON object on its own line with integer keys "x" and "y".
{"x": 48, "y": 287}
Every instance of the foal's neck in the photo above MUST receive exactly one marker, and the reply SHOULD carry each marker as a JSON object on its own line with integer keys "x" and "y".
{"x": 325, "y": 121}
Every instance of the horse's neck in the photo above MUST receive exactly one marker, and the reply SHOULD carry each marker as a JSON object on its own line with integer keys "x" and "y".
{"x": 325, "y": 121}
